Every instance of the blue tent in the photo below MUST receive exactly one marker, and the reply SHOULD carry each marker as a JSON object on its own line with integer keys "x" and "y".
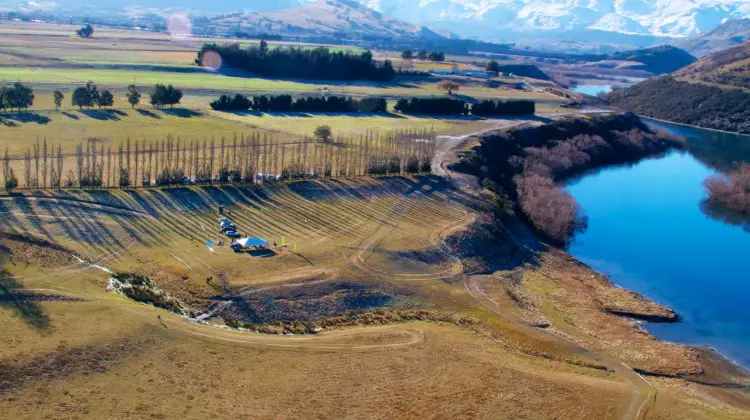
{"x": 254, "y": 241}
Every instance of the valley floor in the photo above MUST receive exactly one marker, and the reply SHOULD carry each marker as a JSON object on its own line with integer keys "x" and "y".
{"x": 455, "y": 323}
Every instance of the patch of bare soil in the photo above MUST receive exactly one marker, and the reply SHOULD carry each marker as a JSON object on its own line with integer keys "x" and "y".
{"x": 143, "y": 289}
{"x": 191, "y": 293}
{"x": 391, "y": 316}
{"x": 375, "y": 317}
{"x": 307, "y": 303}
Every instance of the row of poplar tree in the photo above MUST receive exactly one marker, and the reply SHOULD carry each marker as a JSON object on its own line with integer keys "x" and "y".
{"x": 245, "y": 159}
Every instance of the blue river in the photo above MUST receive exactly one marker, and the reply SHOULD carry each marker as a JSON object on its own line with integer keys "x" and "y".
{"x": 649, "y": 232}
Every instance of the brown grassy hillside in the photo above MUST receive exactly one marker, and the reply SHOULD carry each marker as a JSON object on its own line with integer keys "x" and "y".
{"x": 729, "y": 68}
{"x": 711, "y": 93}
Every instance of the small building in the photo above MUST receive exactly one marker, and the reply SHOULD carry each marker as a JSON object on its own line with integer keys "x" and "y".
{"x": 477, "y": 73}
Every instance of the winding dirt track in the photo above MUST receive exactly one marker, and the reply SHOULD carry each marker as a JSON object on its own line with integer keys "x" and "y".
{"x": 644, "y": 394}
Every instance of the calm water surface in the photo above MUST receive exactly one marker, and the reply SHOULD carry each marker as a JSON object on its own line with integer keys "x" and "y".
{"x": 592, "y": 90}
{"x": 647, "y": 231}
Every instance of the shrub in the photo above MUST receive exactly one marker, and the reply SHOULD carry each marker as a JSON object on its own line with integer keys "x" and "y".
{"x": 449, "y": 86}
{"x": 323, "y": 132}
{"x": 86, "y": 31}
{"x": 731, "y": 192}
{"x": 527, "y": 164}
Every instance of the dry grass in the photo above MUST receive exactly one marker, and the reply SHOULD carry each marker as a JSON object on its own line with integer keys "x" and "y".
{"x": 108, "y": 356}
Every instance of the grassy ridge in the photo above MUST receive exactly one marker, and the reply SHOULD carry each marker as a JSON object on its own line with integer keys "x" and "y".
{"x": 687, "y": 103}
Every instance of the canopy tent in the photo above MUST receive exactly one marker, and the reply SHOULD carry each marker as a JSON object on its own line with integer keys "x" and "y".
{"x": 254, "y": 241}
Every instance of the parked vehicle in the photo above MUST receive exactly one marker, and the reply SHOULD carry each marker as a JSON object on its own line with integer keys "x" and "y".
{"x": 232, "y": 234}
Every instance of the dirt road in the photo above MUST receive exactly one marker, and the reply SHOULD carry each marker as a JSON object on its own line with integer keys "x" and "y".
{"x": 644, "y": 394}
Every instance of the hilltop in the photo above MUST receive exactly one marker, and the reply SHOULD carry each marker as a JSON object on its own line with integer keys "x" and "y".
{"x": 710, "y": 93}
{"x": 728, "y": 68}
{"x": 657, "y": 60}
{"x": 322, "y": 18}
{"x": 728, "y": 34}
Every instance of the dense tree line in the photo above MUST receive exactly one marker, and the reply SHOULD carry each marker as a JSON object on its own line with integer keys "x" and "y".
{"x": 423, "y": 55}
{"x": 434, "y": 106}
{"x": 528, "y": 165}
{"x": 245, "y": 159}
{"x": 451, "y": 106}
{"x": 688, "y": 103}
{"x": 516, "y": 107}
{"x": 285, "y": 103}
{"x": 17, "y": 97}
{"x": 305, "y": 63}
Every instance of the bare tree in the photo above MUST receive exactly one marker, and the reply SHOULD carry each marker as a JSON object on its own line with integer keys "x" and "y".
{"x": 109, "y": 166}
{"x": 60, "y": 159}
{"x": 36, "y": 164}
{"x": 212, "y": 157}
{"x": 44, "y": 164}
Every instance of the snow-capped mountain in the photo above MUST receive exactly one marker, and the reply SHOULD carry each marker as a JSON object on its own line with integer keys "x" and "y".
{"x": 662, "y": 18}
{"x": 488, "y": 19}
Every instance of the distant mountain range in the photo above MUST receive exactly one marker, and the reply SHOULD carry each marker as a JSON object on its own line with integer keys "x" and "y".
{"x": 495, "y": 18}
{"x": 626, "y": 22}
{"x": 325, "y": 17}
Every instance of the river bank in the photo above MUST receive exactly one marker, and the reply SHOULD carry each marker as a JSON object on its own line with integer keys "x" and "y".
{"x": 555, "y": 290}
{"x": 669, "y": 245}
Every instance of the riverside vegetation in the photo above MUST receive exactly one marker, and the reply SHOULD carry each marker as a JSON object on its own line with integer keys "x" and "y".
{"x": 525, "y": 167}
{"x": 731, "y": 193}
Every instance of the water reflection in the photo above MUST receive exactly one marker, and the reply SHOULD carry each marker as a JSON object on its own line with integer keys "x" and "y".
{"x": 651, "y": 232}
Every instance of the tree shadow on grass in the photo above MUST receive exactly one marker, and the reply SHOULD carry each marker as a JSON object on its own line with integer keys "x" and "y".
{"x": 147, "y": 113}
{"x": 181, "y": 112}
{"x": 11, "y": 120}
{"x": 71, "y": 115}
{"x": 103, "y": 114}
{"x": 299, "y": 114}
{"x": 29, "y": 311}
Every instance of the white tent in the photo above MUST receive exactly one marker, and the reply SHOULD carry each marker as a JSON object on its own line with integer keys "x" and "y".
{"x": 254, "y": 241}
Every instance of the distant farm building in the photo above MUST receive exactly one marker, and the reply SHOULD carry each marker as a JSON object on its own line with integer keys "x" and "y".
{"x": 466, "y": 73}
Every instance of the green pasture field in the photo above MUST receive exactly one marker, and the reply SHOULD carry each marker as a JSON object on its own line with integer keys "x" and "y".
{"x": 70, "y": 125}
{"x": 66, "y": 77}
{"x": 351, "y": 124}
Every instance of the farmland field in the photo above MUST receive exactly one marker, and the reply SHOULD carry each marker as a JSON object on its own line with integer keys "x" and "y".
{"x": 382, "y": 283}
{"x": 112, "y": 355}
